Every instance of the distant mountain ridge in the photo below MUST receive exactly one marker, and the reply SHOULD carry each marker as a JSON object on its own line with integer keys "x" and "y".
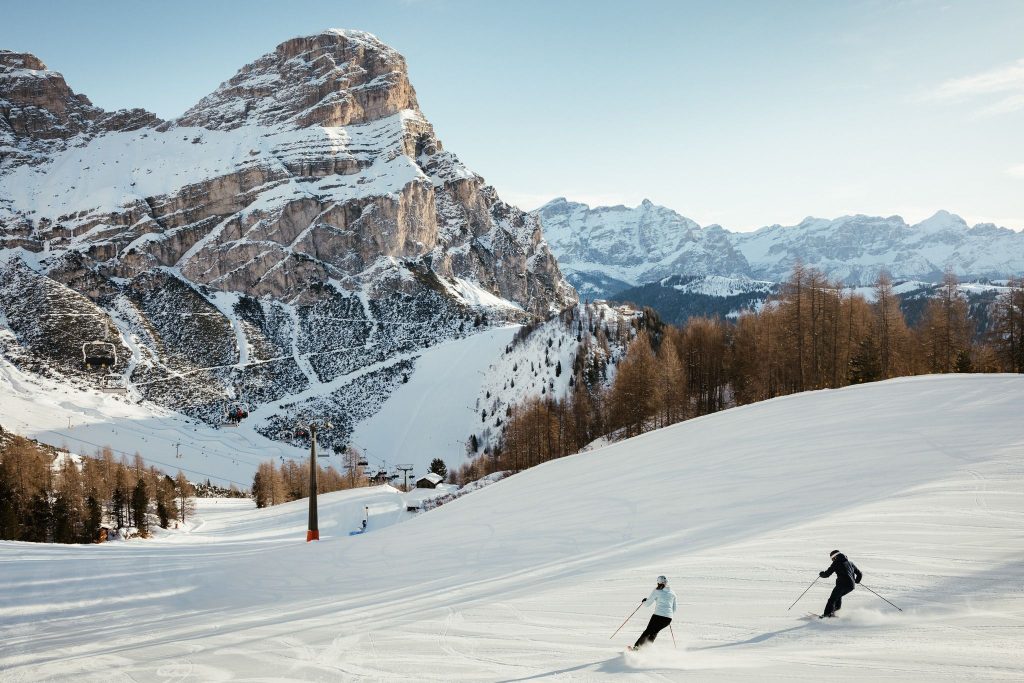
{"x": 601, "y": 248}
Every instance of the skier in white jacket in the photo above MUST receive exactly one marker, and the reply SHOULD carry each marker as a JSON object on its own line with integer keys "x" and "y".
{"x": 664, "y": 600}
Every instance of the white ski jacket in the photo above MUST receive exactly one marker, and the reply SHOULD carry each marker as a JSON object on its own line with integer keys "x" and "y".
{"x": 664, "y": 601}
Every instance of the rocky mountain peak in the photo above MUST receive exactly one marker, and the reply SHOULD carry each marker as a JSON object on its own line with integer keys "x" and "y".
{"x": 943, "y": 221}
{"x": 20, "y": 60}
{"x": 37, "y": 103}
{"x": 295, "y": 240}
{"x": 334, "y": 78}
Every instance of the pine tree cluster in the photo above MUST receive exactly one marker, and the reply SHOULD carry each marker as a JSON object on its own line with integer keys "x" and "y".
{"x": 816, "y": 334}
{"x": 47, "y": 496}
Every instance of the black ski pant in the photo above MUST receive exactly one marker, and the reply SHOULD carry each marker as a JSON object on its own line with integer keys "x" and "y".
{"x": 835, "y": 601}
{"x": 651, "y": 632}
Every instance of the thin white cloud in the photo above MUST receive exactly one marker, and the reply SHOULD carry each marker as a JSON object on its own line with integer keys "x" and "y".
{"x": 1004, "y": 84}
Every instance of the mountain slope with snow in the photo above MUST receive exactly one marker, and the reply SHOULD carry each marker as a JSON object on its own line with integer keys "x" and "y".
{"x": 290, "y": 245}
{"x": 601, "y": 248}
{"x": 918, "y": 480}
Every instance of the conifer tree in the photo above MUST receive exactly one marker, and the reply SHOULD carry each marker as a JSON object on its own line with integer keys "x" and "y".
{"x": 9, "y": 512}
{"x": 438, "y": 467}
{"x": 119, "y": 501}
{"x": 184, "y": 491}
{"x": 945, "y": 327}
{"x": 1009, "y": 326}
{"x": 140, "y": 507}
{"x": 633, "y": 400}
{"x": 93, "y": 519}
{"x": 40, "y": 519}
{"x": 259, "y": 492}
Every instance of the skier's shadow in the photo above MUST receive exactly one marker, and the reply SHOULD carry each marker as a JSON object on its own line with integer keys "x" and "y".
{"x": 756, "y": 639}
{"x": 612, "y": 665}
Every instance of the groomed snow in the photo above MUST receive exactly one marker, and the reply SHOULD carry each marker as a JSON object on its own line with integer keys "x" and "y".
{"x": 918, "y": 480}
{"x": 433, "y": 414}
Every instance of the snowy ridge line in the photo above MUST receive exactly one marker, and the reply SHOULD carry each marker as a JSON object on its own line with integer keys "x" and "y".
{"x": 144, "y": 458}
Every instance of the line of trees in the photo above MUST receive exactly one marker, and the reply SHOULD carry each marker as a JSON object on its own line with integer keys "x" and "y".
{"x": 817, "y": 334}
{"x": 274, "y": 484}
{"x": 47, "y": 496}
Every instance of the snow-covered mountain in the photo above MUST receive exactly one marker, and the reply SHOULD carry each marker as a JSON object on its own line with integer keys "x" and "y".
{"x": 603, "y": 250}
{"x": 292, "y": 242}
{"x": 609, "y": 248}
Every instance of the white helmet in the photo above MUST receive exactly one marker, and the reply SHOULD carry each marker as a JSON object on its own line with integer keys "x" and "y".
{"x": 662, "y": 579}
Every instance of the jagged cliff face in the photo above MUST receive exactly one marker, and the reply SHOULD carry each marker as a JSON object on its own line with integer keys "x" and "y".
{"x": 305, "y": 206}
{"x": 605, "y": 250}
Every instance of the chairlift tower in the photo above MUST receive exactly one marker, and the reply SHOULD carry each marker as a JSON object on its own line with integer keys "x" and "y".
{"x": 313, "y": 530}
{"x": 405, "y": 470}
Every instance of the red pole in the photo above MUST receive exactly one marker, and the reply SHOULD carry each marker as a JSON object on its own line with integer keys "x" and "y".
{"x": 313, "y": 533}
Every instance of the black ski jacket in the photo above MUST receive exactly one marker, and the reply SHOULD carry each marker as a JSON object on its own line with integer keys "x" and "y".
{"x": 846, "y": 572}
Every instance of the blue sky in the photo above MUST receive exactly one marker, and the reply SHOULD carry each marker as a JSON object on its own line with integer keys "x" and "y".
{"x": 738, "y": 113}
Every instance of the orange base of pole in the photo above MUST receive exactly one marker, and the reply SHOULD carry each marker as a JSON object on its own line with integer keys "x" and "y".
{"x": 312, "y": 536}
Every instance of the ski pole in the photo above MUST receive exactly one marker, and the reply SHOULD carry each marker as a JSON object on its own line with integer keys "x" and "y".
{"x": 673, "y": 637}
{"x": 805, "y": 593}
{"x": 863, "y": 586}
{"x": 628, "y": 618}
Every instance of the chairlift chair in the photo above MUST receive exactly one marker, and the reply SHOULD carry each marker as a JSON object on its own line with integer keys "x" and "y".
{"x": 99, "y": 355}
{"x": 234, "y": 413}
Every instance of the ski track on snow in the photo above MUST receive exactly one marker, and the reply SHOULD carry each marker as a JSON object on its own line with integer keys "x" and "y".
{"x": 526, "y": 579}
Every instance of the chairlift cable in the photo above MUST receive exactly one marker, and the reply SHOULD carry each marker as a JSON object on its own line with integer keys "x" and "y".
{"x": 144, "y": 459}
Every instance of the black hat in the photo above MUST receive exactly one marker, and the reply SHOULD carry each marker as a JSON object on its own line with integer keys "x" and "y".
{"x": 833, "y": 553}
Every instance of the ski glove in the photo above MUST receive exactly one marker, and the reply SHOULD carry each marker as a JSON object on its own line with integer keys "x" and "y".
{"x": 823, "y": 575}
{"x": 644, "y": 600}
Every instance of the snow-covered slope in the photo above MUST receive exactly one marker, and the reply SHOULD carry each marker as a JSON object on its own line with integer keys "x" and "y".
{"x": 431, "y": 415}
{"x": 601, "y": 248}
{"x": 918, "y": 480}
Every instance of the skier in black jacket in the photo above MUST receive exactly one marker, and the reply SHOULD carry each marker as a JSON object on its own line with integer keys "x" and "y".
{"x": 847, "y": 575}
